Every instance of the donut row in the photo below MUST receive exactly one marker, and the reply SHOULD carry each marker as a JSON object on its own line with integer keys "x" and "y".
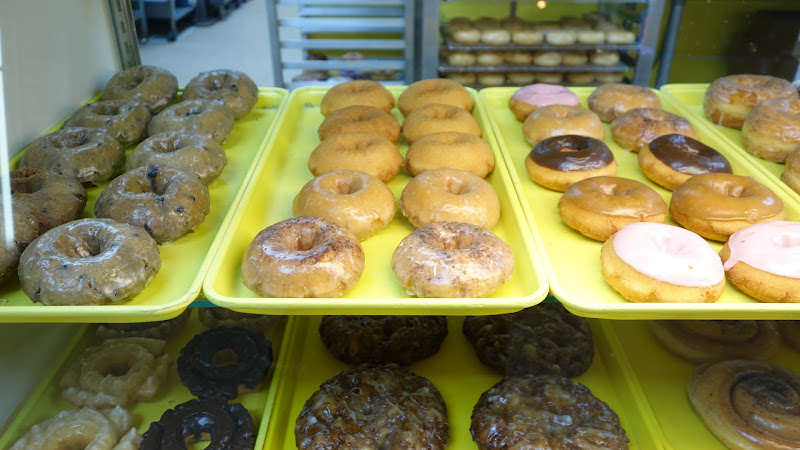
{"x": 494, "y": 79}
{"x": 537, "y": 58}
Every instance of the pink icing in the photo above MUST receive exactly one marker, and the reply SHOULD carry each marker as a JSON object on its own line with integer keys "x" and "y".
{"x": 669, "y": 253}
{"x": 773, "y": 247}
{"x": 540, "y": 94}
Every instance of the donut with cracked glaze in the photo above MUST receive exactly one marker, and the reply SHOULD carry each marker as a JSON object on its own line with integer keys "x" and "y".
{"x": 772, "y": 128}
{"x": 728, "y": 100}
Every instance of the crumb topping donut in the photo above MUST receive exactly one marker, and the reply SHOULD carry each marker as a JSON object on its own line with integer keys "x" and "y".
{"x": 772, "y": 128}
{"x": 359, "y": 118}
{"x": 450, "y": 150}
{"x": 162, "y": 329}
{"x": 706, "y": 340}
{"x": 88, "y": 262}
{"x": 90, "y": 156}
{"x": 357, "y": 92}
{"x": 204, "y": 117}
{"x": 216, "y": 316}
{"x": 671, "y": 159}
{"x": 352, "y": 199}
{"x": 124, "y": 121}
{"x": 452, "y": 259}
{"x": 166, "y": 202}
{"x": 728, "y": 100}
{"x": 559, "y": 161}
{"x": 716, "y": 205}
{"x": 761, "y": 261}
{"x": 303, "y": 257}
{"x": 559, "y": 120}
{"x": 611, "y": 100}
{"x": 450, "y": 194}
{"x": 791, "y": 172}
{"x": 82, "y": 428}
{"x": 528, "y": 99}
{"x": 634, "y": 129}
{"x": 653, "y": 262}
{"x": 436, "y": 117}
{"x": 383, "y": 406}
{"x": 153, "y": 86}
{"x": 434, "y": 90}
{"x": 192, "y": 153}
{"x": 233, "y": 89}
{"x": 598, "y": 207}
{"x": 228, "y": 426}
{"x": 365, "y": 151}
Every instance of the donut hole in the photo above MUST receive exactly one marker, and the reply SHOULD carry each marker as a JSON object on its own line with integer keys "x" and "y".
{"x": 225, "y": 357}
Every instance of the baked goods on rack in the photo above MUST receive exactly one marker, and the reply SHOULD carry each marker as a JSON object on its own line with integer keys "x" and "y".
{"x": 521, "y": 78}
{"x": 200, "y": 116}
{"x": 357, "y": 92}
{"x": 547, "y": 58}
{"x": 365, "y": 151}
{"x": 604, "y": 58}
{"x": 434, "y": 90}
{"x": 528, "y": 99}
{"x": 706, "y": 340}
{"x": 162, "y": 329}
{"x": 233, "y": 89}
{"x": 216, "y": 316}
{"x": 771, "y": 129}
{"x": 580, "y": 78}
{"x": 225, "y": 425}
{"x": 450, "y": 150}
{"x": 559, "y": 120}
{"x": 729, "y": 99}
{"x": 192, "y": 153}
{"x": 125, "y": 121}
{"x": 634, "y": 129}
{"x": 359, "y": 118}
{"x": 82, "y": 428}
{"x": 489, "y": 79}
{"x": 559, "y": 161}
{"x": 611, "y": 100}
{"x": 465, "y": 78}
{"x": 671, "y": 159}
{"x": 435, "y": 117}
{"x": 153, "y": 86}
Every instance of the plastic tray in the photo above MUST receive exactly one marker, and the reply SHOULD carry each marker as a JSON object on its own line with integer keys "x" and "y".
{"x": 46, "y": 400}
{"x": 184, "y": 261}
{"x": 460, "y": 377}
{"x": 268, "y": 199}
{"x": 572, "y": 260}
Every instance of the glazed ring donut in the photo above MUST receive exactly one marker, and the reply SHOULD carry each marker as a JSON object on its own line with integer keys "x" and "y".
{"x": 216, "y": 316}
{"x": 450, "y": 194}
{"x": 228, "y": 426}
{"x": 153, "y": 86}
{"x": 192, "y": 153}
{"x": 772, "y": 128}
{"x": 124, "y": 121}
{"x": 450, "y": 150}
{"x": 464, "y": 78}
{"x": 357, "y": 92}
{"x": 162, "y": 329}
{"x": 707, "y": 340}
{"x": 467, "y": 35}
{"x": 580, "y": 78}
{"x": 620, "y": 37}
{"x": 519, "y": 58}
{"x": 204, "y": 117}
{"x": 233, "y": 89}
{"x": 458, "y": 59}
{"x": 77, "y": 263}
{"x": 611, "y": 100}
{"x": 521, "y": 78}
{"x": 281, "y": 261}
{"x": 545, "y": 58}
{"x": 791, "y": 173}
{"x": 436, "y": 117}
{"x": 598, "y": 207}
{"x": 549, "y": 77}
{"x": 671, "y": 159}
{"x": 758, "y": 260}
{"x": 82, "y": 428}
{"x": 527, "y": 36}
{"x": 606, "y": 58}
{"x": 434, "y": 90}
{"x": 591, "y": 37}
{"x": 364, "y": 151}
{"x": 90, "y": 156}
{"x": 560, "y": 37}
{"x": 359, "y": 118}
{"x": 729, "y": 99}
{"x": 167, "y": 203}
{"x": 574, "y": 58}
{"x": 490, "y": 79}
{"x": 716, "y": 205}
{"x": 495, "y": 36}
{"x": 559, "y": 120}
{"x": 452, "y": 259}
{"x": 790, "y": 333}
{"x": 634, "y": 129}
{"x": 559, "y": 161}
{"x": 652, "y": 262}
{"x": 490, "y": 58}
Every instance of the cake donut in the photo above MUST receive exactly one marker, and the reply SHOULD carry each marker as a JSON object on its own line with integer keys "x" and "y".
{"x": 671, "y": 159}
{"x": 611, "y": 100}
{"x": 434, "y": 90}
{"x": 791, "y": 171}
{"x": 559, "y": 161}
{"x": 124, "y": 121}
{"x": 716, "y": 205}
{"x": 772, "y": 128}
{"x": 365, "y": 151}
{"x": 153, "y": 86}
{"x": 527, "y": 99}
{"x": 233, "y": 89}
{"x": 762, "y": 261}
{"x": 82, "y": 428}
{"x": 452, "y": 259}
{"x": 598, "y": 207}
{"x": 450, "y": 150}
{"x": 653, "y": 262}
{"x": 359, "y": 118}
{"x": 729, "y": 99}
{"x": 200, "y": 116}
{"x": 634, "y": 129}
{"x": 706, "y": 340}
{"x": 356, "y": 92}
{"x": 559, "y": 120}
{"x": 228, "y": 426}
{"x": 192, "y": 153}
{"x": 436, "y": 117}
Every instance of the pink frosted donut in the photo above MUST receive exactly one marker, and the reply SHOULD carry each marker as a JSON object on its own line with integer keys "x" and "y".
{"x": 528, "y": 98}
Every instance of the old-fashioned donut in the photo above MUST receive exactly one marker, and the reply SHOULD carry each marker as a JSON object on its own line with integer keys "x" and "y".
{"x": 366, "y": 151}
{"x": 153, "y": 86}
{"x": 233, "y": 89}
{"x": 771, "y": 129}
{"x": 634, "y": 129}
{"x": 671, "y": 159}
{"x": 226, "y": 426}
{"x": 356, "y": 92}
{"x": 125, "y": 121}
{"x": 205, "y": 117}
{"x": 450, "y": 150}
{"x": 82, "y": 428}
{"x": 192, "y": 153}
{"x": 434, "y": 90}
{"x": 559, "y": 161}
{"x": 359, "y": 118}
{"x": 436, "y": 117}
{"x": 729, "y": 99}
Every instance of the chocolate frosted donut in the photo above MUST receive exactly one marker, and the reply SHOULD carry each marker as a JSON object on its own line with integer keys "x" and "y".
{"x": 191, "y": 152}
{"x": 125, "y": 121}
{"x": 153, "y": 86}
{"x": 671, "y": 159}
{"x": 560, "y": 161}
{"x": 227, "y": 426}
{"x": 204, "y": 117}
{"x": 233, "y": 89}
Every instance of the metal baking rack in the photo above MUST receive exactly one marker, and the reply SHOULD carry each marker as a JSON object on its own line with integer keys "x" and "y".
{"x": 446, "y": 68}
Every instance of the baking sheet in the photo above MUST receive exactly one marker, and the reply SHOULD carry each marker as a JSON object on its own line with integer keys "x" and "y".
{"x": 185, "y": 260}
{"x": 268, "y": 199}
{"x": 572, "y": 260}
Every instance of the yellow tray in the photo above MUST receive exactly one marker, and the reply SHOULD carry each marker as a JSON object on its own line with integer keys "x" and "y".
{"x": 268, "y": 199}
{"x": 460, "y": 377}
{"x": 46, "y": 399}
{"x": 184, "y": 261}
{"x": 572, "y": 260}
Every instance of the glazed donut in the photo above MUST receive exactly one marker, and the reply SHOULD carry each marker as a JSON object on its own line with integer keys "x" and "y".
{"x": 228, "y": 426}
{"x": 124, "y": 121}
{"x": 359, "y": 118}
{"x": 729, "y": 99}
{"x": 450, "y": 194}
{"x": 233, "y": 89}
{"x": 118, "y": 372}
{"x": 580, "y": 78}
{"x": 364, "y": 151}
{"x": 574, "y": 58}
{"x": 216, "y": 316}
{"x": 611, "y": 100}
{"x": 716, "y": 205}
{"x": 165, "y": 202}
{"x": 79, "y": 263}
{"x": 192, "y": 153}
{"x": 608, "y": 58}
{"x": 609, "y": 77}
{"x": 490, "y": 58}
{"x": 653, "y": 262}
{"x": 591, "y": 37}
{"x": 598, "y": 207}
{"x": 759, "y": 261}
{"x": 527, "y": 35}
{"x": 634, "y": 129}
{"x": 434, "y": 90}
{"x": 283, "y": 259}
{"x": 82, "y": 428}
{"x": 560, "y": 37}
{"x": 153, "y": 86}
{"x": 464, "y": 78}
{"x": 671, "y": 159}
{"x": 558, "y": 120}
{"x": 452, "y": 259}
{"x": 520, "y": 78}
{"x": 495, "y": 36}
{"x": 349, "y": 198}
{"x": 519, "y": 58}
{"x": 791, "y": 173}
{"x": 549, "y": 77}
{"x": 205, "y": 117}
{"x": 90, "y": 156}
{"x": 545, "y": 58}
{"x": 435, "y": 117}
{"x": 528, "y": 99}
{"x": 790, "y": 332}
{"x": 358, "y": 92}
{"x": 490, "y": 79}
{"x": 162, "y": 329}
{"x": 559, "y": 161}
{"x": 620, "y": 37}
{"x": 450, "y": 150}
{"x": 458, "y": 59}
{"x": 772, "y": 128}
{"x": 707, "y": 340}
{"x": 466, "y": 35}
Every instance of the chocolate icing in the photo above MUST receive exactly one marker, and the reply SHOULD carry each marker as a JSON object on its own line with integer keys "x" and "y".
{"x": 687, "y": 155}
{"x": 571, "y": 153}
{"x": 229, "y": 426}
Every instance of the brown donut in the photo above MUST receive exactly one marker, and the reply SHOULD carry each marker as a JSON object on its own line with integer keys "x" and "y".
{"x": 192, "y": 153}
{"x": 611, "y": 100}
{"x": 634, "y": 129}
{"x": 359, "y": 118}
{"x": 435, "y": 90}
{"x": 729, "y": 99}
{"x": 356, "y": 92}
{"x": 205, "y": 117}
{"x": 153, "y": 86}
{"x": 234, "y": 90}
{"x": 435, "y": 117}
{"x": 559, "y": 161}
{"x": 364, "y": 151}
{"x": 671, "y": 159}
{"x": 772, "y": 128}
{"x": 124, "y": 121}
{"x": 452, "y": 150}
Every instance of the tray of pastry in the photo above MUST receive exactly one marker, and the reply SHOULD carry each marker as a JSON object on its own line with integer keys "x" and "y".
{"x": 282, "y": 173}
{"x": 185, "y": 260}
{"x": 458, "y": 375}
{"x": 533, "y": 68}
{"x": 126, "y": 377}
{"x": 455, "y": 46}
{"x": 573, "y": 260}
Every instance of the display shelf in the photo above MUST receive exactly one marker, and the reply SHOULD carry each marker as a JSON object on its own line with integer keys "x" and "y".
{"x": 532, "y": 68}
